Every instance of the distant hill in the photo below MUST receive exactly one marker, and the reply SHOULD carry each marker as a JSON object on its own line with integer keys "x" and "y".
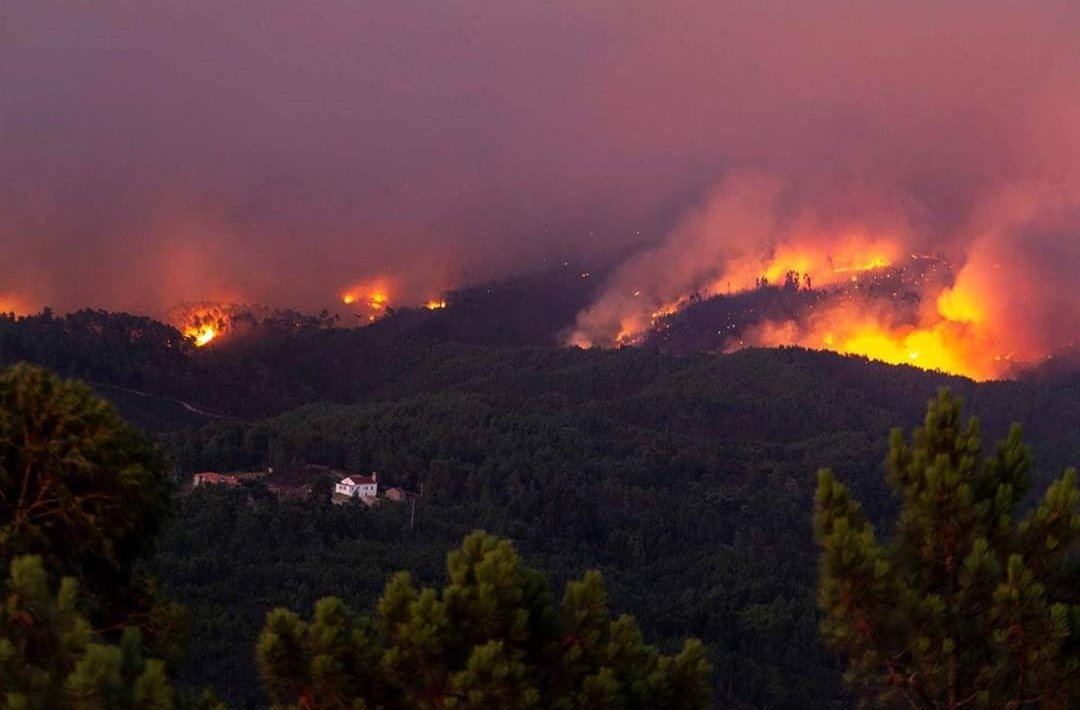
{"x": 275, "y": 363}
{"x": 685, "y": 476}
{"x": 534, "y": 309}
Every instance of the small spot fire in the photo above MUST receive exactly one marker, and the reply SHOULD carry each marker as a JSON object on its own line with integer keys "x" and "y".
{"x": 370, "y": 299}
{"x": 203, "y": 323}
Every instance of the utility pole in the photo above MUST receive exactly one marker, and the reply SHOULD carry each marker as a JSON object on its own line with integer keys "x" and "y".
{"x": 412, "y": 507}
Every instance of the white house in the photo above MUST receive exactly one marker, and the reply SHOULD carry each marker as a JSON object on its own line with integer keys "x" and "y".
{"x": 363, "y": 487}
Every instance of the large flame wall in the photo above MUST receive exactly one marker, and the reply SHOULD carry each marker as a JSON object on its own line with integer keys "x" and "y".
{"x": 1002, "y": 303}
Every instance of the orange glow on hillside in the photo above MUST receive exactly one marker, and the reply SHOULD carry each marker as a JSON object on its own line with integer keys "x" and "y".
{"x": 201, "y": 335}
{"x": 951, "y": 333}
{"x": 202, "y": 323}
{"x": 10, "y": 303}
{"x": 378, "y": 301}
{"x": 851, "y": 293}
{"x": 823, "y": 260}
{"x": 435, "y": 304}
{"x": 370, "y": 299}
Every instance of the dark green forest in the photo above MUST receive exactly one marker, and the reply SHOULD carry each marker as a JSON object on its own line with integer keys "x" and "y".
{"x": 688, "y": 481}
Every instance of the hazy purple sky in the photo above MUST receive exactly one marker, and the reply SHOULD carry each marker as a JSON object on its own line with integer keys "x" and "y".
{"x": 276, "y": 150}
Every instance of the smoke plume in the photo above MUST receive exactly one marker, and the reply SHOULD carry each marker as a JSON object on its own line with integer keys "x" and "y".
{"x": 284, "y": 152}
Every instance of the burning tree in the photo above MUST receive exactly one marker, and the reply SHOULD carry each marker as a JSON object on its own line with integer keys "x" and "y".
{"x": 965, "y": 605}
{"x": 203, "y": 322}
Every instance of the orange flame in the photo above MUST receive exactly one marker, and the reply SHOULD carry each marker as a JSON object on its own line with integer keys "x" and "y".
{"x": 952, "y": 333}
{"x": 371, "y": 298}
{"x": 202, "y": 323}
{"x": 948, "y": 326}
{"x": 202, "y": 335}
{"x": 378, "y": 301}
{"x": 825, "y": 261}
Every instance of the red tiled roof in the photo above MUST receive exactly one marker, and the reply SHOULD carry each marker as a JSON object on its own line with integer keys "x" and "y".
{"x": 211, "y": 477}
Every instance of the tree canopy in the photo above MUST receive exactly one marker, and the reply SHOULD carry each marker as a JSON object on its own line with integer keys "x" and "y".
{"x": 967, "y": 603}
{"x": 492, "y": 637}
{"x": 80, "y": 488}
{"x": 51, "y": 658}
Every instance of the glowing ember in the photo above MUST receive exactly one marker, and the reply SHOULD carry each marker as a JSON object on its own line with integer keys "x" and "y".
{"x": 435, "y": 304}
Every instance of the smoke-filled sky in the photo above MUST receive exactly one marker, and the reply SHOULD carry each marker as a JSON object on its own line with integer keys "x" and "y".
{"x": 279, "y": 150}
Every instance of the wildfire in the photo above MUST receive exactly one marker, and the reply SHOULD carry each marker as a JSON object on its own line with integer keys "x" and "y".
{"x": 956, "y": 305}
{"x": 665, "y": 310}
{"x": 10, "y": 303}
{"x": 815, "y": 260}
{"x": 370, "y": 298}
{"x": 202, "y": 335}
{"x": 378, "y": 301}
{"x": 876, "y": 262}
{"x": 202, "y": 323}
{"x": 938, "y": 347}
{"x": 860, "y": 296}
{"x": 948, "y": 331}
{"x": 755, "y": 264}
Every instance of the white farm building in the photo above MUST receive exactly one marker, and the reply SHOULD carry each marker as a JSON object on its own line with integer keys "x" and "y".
{"x": 363, "y": 487}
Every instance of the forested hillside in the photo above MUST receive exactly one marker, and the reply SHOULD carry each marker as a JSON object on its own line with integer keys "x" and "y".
{"x": 688, "y": 482}
{"x": 686, "y": 479}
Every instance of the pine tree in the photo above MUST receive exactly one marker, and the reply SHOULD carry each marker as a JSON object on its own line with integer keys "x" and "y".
{"x": 492, "y": 637}
{"x": 86, "y": 492}
{"x": 963, "y": 606}
{"x": 50, "y": 658}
